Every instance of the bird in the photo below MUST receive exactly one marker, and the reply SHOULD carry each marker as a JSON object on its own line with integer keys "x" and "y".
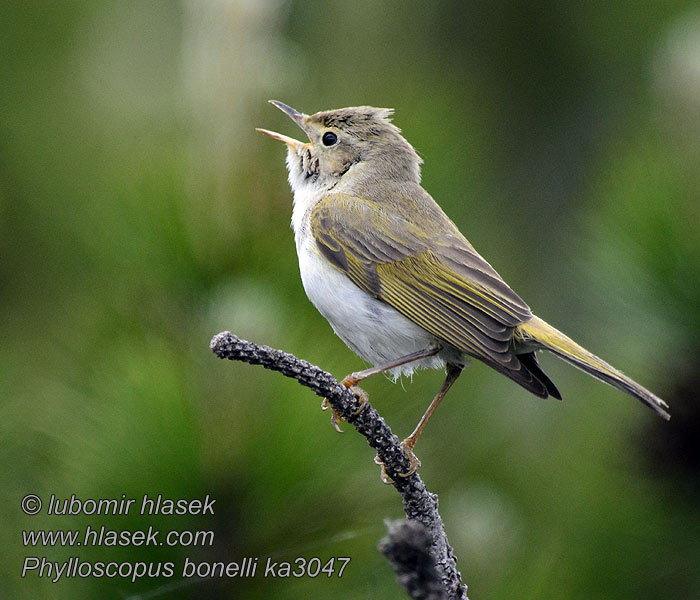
{"x": 394, "y": 276}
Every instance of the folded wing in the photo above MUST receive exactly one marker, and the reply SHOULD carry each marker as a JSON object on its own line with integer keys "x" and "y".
{"x": 422, "y": 266}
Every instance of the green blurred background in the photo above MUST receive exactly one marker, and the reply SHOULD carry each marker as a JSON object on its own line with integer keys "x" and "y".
{"x": 140, "y": 214}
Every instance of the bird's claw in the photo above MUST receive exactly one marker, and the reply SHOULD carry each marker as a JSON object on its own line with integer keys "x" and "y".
{"x": 386, "y": 480}
{"x": 336, "y": 418}
{"x": 361, "y": 396}
{"x": 407, "y": 447}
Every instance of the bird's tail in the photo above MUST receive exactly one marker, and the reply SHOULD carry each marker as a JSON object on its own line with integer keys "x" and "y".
{"x": 537, "y": 333}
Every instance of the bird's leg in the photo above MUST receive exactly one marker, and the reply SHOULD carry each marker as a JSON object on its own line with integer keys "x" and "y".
{"x": 453, "y": 371}
{"x": 353, "y": 379}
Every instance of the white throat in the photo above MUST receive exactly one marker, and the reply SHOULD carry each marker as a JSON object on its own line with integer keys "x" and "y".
{"x": 306, "y": 195}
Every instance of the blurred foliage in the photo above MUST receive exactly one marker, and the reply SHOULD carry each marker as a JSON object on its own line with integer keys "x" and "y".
{"x": 140, "y": 214}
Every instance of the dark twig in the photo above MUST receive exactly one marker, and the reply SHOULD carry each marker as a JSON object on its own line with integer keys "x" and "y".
{"x": 407, "y": 546}
{"x": 419, "y": 504}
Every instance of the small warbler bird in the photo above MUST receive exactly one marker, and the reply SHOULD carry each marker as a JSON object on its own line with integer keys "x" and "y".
{"x": 395, "y": 278}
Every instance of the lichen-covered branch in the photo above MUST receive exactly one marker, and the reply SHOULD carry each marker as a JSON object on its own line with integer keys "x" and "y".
{"x": 407, "y": 547}
{"x": 419, "y": 504}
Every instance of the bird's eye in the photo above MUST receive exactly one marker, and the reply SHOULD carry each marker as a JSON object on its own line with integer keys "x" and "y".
{"x": 329, "y": 138}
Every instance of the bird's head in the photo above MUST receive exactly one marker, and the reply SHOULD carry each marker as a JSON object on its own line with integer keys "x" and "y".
{"x": 360, "y": 140}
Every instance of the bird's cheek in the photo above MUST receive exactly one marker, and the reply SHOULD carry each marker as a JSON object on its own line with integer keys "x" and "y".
{"x": 335, "y": 165}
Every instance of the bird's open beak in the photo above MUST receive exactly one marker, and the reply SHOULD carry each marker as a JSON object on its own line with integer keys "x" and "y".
{"x": 282, "y": 138}
{"x": 294, "y": 115}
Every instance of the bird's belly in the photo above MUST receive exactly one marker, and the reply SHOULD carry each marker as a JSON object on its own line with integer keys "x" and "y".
{"x": 371, "y": 328}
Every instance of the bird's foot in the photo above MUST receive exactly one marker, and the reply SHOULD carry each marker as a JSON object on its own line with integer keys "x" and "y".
{"x": 335, "y": 415}
{"x": 386, "y": 480}
{"x": 361, "y": 396}
{"x": 407, "y": 447}
{"x": 351, "y": 382}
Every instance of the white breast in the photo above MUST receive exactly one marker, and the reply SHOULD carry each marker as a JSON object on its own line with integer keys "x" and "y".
{"x": 370, "y": 328}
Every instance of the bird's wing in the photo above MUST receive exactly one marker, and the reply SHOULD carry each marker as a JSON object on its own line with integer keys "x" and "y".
{"x": 429, "y": 272}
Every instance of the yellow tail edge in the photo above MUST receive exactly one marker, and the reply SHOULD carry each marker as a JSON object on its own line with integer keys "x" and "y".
{"x": 538, "y": 333}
